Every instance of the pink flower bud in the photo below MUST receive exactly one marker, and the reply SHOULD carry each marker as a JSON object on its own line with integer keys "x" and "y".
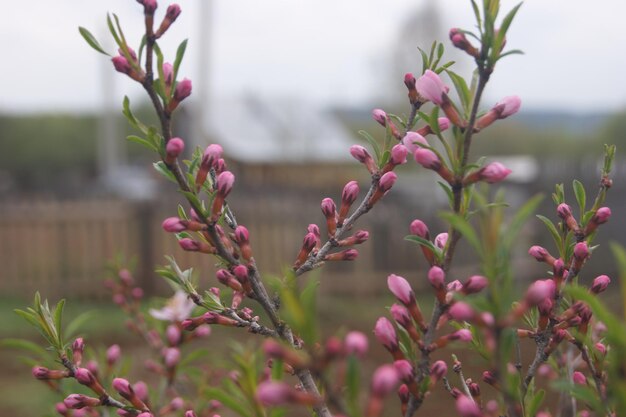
{"x": 171, "y": 357}
{"x": 122, "y": 386}
{"x": 113, "y": 354}
{"x": 356, "y": 343}
{"x": 173, "y": 11}
{"x": 602, "y": 215}
{"x": 168, "y": 75}
{"x": 461, "y": 311}
{"x": 405, "y": 370}
{"x": 242, "y": 235}
{"x": 441, "y": 239}
{"x": 539, "y": 253}
{"x": 413, "y": 141}
{"x": 380, "y": 116}
{"x": 183, "y": 90}
{"x": 84, "y": 376}
{"x": 401, "y": 288}
{"x": 177, "y": 403}
{"x": 141, "y": 390}
{"x": 121, "y": 64}
{"x": 540, "y": 290}
{"x": 438, "y": 370}
{"x": 225, "y": 183}
{"x": 173, "y": 334}
{"x": 409, "y": 80}
{"x": 436, "y": 276}
{"x": 463, "y": 335}
{"x": 350, "y": 193}
{"x": 430, "y": 87}
{"x": 467, "y": 408}
{"x": 564, "y": 211}
{"x": 386, "y": 334}
{"x": 271, "y": 393}
{"x": 203, "y": 331}
{"x": 173, "y": 225}
{"x": 190, "y": 413}
{"x": 579, "y": 378}
{"x": 494, "y": 172}
{"x": 40, "y": 372}
{"x": 328, "y": 208}
{"x": 454, "y": 286}
{"x": 78, "y": 345}
{"x": 600, "y": 283}
{"x": 359, "y": 153}
{"x": 419, "y": 228}
{"x": 581, "y": 251}
{"x": 398, "y": 154}
{"x": 384, "y": 380}
{"x": 475, "y": 283}
{"x": 508, "y": 106}
{"x": 601, "y": 347}
{"x": 444, "y": 123}
{"x": 149, "y": 6}
{"x": 401, "y": 315}
{"x": 61, "y": 409}
{"x": 211, "y": 155}
{"x": 174, "y": 147}
{"x": 78, "y": 401}
{"x": 427, "y": 158}
{"x": 189, "y": 245}
{"x": 387, "y": 181}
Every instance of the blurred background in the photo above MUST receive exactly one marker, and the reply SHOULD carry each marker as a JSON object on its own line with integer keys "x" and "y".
{"x": 284, "y": 87}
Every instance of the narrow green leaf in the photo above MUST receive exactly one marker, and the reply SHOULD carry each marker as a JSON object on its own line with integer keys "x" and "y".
{"x": 532, "y": 405}
{"x": 512, "y": 52}
{"x": 372, "y": 142}
{"x": 448, "y": 190}
{"x": 425, "y": 62}
{"x": 422, "y": 242}
{"x": 461, "y": 89}
{"x": 91, "y": 40}
{"x": 142, "y": 142}
{"x": 25, "y": 345}
{"x": 113, "y": 31}
{"x": 58, "y": 320}
{"x": 580, "y": 194}
{"x": 552, "y": 229}
{"x": 463, "y": 226}
{"x": 180, "y": 53}
{"x": 227, "y": 400}
{"x": 164, "y": 170}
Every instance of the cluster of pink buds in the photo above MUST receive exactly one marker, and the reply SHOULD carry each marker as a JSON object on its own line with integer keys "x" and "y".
{"x": 125, "y": 293}
{"x": 126, "y": 63}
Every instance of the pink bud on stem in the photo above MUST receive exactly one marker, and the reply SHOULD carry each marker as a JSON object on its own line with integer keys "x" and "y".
{"x": 172, "y": 13}
{"x": 600, "y": 283}
{"x": 409, "y": 81}
{"x": 541, "y": 254}
{"x": 466, "y": 407}
{"x": 436, "y": 277}
{"x": 384, "y": 185}
{"x": 307, "y": 246}
{"x": 85, "y": 377}
{"x": 386, "y": 335}
{"x": 123, "y": 387}
{"x": 429, "y": 160}
{"x": 384, "y": 382}
{"x": 565, "y": 212}
{"x": 401, "y": 316}
{"x": 191, "y": 245}
{"x": 330, "y": 213}
{"x": 113, "y": 354}
{"x": 356, "y": 343}
{"x": 226, "y": 278}
{"x": 359, "y": 153}
{"x": 413, "y": 141}
{"x": 503, "y": 109}
{"x": 274, "y": 393}
{"x": 348, "y": 196}
{"x": 344, "y": 255}
{"x": 79, "y": 401}
{"x": 356, "y": 239}
{"x": 78, "y": 348}
{"x": 460, "y": 41}
{"x": 224, "y": 184}
{"x": 43, "y": 373}
{"x": 181, "y": 92}
{"x": 398, "y": 157}
{"x": 601, "y": 216}
{"x": 242, "y": 238}
{"x": 173, "y": 149}
{"x": 211, "y": 155}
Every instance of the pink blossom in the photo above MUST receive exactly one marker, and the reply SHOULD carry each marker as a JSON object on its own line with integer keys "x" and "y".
{"x": 211, "y": 155}
{"x": 398, "y": 154}
{"x": 121, "y": 64}
{"x": 183, "y": 90}
{"x": 113, "y": 353}
{"x": 404, "y": 370}
{"x": 438, "y": 370}
{"x": 174, "y": 147}
{"x": 171, "y": 357}
{"x": 350, "y": 193}
{"x": 581, "y": 251}
{"x": 224, "y": 183}
{"x": 579, "y": 378}
{"x": 387, "y": 181}
{"x": 436, "y": 276}
{"x": 430, "y": 87}
{"x": 441, "y": 240}
{"x": 328, "y": 208}
{"x": 540, "y": 290}
{"x": 600, "y": 283}
{"x": 177, "y": 308}
{"x": 173, "y": 225}
{"x": 400, "y": 314}
{"x": 380, "y": 116}
{"x": 271, "y": 393}
{"x": 602, "y": 215}
{"x": 463, "y": 335}
{"x": 564, "y": 211}
{"x": 168, "y": 74}
{"x": 475, "y": 284}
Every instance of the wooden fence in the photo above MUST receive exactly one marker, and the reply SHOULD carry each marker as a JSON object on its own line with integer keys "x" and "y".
{"x": 61, "y": 247}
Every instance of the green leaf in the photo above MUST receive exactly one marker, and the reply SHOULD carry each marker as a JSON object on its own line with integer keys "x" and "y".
{"x": 422, "y": 242}
{"x": 372, "y": 142}
{"x": 533, "y": 404}
{"x": 463, "y": 226}
{"x": 58, "y": 319}
{"x": 425, "y": 62}
{"x": 195, "y": 355}
{"x": 552, "y": 229}
{"x": 118, "y": 41}
{"x": 142, "y": 142}
{"x": 512, "y": 52}
{"x": 180, "y": 53}
{"x": 581, "y": 196}
{"x": 504, "y": 27}
{"x": 91, "y": 40}
{"x": 227, "y": 400}
{"x": 131, "y": 118}
{"x": 461, "y": 89}
{"x": 26, "y": 345}
{"x": 75, "y": 324}
{"x": 164, "y": 170}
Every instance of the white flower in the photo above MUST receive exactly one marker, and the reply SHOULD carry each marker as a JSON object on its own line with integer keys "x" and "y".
{"x": 177, "y": 308}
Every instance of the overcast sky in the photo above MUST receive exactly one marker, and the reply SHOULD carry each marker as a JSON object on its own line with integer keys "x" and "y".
{"x": 330, "y": 51}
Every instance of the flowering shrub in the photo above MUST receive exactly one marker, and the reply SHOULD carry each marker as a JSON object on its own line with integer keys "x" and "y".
{"x": 577, "y": 343}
